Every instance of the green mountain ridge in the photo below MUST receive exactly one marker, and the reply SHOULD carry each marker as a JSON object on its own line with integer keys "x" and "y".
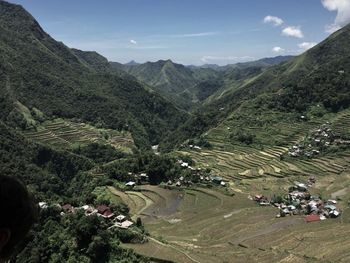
{"x": 70, "y": 120}
{"x": 190, "y": 86}
{"x": 173, "y": 81}
{"x": 318, "y": 76}
{"x": 44, "y": 74}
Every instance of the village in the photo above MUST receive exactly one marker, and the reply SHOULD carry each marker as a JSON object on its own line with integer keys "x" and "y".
{"x": 299, "y": 201}
{"x": 120, "y": 220}
{"x": 103, "y": 211}
{"x": 195, "y": 175}
{"x": 316, "y": 142}
{"x": 200, "y": 175}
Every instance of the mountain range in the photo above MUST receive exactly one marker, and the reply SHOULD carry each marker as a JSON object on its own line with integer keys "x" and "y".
{"x": 318, "y": 77}
{"x": 153, "y": 99}
{"x": 189, "y": 86}
{"x": 75, "y": 127}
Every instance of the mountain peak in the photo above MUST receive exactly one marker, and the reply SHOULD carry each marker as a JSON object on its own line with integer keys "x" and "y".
{"x": 15, "y": 18}
{"x": 132, "y": 63}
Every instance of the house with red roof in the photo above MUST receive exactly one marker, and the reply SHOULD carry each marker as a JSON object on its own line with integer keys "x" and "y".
{"x": 68, "y": 208}
{"x": 312, "y": 218}
{"x": 105, "y": 211}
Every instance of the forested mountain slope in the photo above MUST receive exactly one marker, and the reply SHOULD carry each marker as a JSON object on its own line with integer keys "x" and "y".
{"x": 320, "y": 76}
{"x": 190, "y": 86}
{"x": 174, "y": 81}
{"x": 46, "y": 76}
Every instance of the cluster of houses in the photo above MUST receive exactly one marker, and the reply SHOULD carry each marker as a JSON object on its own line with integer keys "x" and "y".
{"x": 180, "y": 182}
{"x": 199, "y": 172}
{"x": 319, "y": 138}
{"x": 142, "y": 178}
{"x": 185, "y": 165}
{"x": 207, "y": 179}
{"x": 139, "y": 179}
{"x": 103, "y": 211}
{"x": 300, "y": 202}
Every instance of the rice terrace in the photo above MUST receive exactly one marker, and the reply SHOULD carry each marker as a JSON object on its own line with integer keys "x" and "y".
{"x": 210, "y": 223}
{"x": 192, "y": 131}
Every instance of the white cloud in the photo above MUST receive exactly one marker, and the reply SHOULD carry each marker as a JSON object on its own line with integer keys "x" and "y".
{"x": 342, "y": 7}
{"x": 292, "y": 31}
{"x": 226, "y": 59}
{"x": 274, "y": 20}
{"x": 278, "y": 49}
{"x": 307, "y": 45}
{"x": 332, "y": 28}
{"x": 134, "y": 42}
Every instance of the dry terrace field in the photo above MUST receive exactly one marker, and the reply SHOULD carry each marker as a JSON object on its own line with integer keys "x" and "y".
{"x": 242, "y": 163}
{"x": 66, "y": 134}
{"x": 207, "y": 225}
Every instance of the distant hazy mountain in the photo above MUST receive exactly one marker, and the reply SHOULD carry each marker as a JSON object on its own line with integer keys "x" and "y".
{"x": 264, "y": 62}
{"x": 132, "y": 63}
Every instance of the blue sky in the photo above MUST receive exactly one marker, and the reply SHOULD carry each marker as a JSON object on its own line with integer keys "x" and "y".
{"x": 190, "y": 31}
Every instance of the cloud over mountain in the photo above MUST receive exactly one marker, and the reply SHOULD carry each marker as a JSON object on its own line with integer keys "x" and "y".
{"x": 342, "y": 7}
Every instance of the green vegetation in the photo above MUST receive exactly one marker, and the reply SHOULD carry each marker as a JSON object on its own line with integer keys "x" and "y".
{"x": 46, "y": 75}
{"x": 76, "y": 238}
{"x": 159, "y": 168}
{"x": 188, "y": 87}
{"x": 75, "y": 128}
{"x": 177, "y": 83}
{"x": 66, "y": 134}
{"x": 99, "y": 153}
{"x": 317, "y": 77}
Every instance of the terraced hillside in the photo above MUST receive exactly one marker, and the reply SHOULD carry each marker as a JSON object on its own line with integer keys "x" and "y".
{"x": 66, "y": 134}
{"x": 210, "y": 226}
{"x": 149, "y": 202}
{"x": 239, "y": 161}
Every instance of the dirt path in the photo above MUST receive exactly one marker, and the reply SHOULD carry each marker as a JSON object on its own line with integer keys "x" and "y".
{"x": 148, "y": 203}
{"x": 175, "y": 248}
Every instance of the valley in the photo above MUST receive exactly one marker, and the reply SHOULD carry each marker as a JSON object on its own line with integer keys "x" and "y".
{"x": 167, "y": 162}
{"x": 207, "y": 223}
